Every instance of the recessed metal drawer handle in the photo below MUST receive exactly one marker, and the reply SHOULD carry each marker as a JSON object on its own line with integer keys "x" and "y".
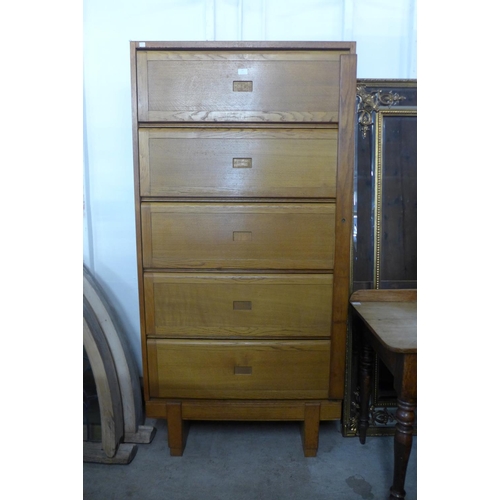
{"x": 242, "y": 305}
{"x": 242, "y": 162}
{"x": 242, "y": 235}
{"x": 243, "y": 370}
{"x": 242, "y": 86}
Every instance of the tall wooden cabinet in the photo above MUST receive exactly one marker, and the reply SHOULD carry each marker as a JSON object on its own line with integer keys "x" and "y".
{"x": 243, "y": 155}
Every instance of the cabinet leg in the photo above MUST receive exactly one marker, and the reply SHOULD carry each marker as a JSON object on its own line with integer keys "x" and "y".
{"x": 310, "y": 429}
{"x": 365, "y": 388}
{"x": 177, "y": 428}
{"x": 403, "y": 439}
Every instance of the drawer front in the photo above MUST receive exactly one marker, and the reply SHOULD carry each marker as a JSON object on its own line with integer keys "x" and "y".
{"x": 233, "y": 86}
{"x": 238, "y": 236}
{"x": 238, "y": 305}
{"x": 238, "y": 369}
{"x": 223, "y": 162}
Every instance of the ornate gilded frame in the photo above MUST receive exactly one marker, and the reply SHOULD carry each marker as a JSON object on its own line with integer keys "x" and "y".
{"x": 378, "y": 182}
{"x": 377, "y": 101}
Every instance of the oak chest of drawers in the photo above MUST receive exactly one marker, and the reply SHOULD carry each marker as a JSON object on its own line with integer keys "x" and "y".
{"x": 243, "y": 157}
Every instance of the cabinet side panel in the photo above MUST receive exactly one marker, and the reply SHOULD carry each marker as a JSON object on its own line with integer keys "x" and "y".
{"x": 343, "y": 222}
{"x": 137, "y": 202}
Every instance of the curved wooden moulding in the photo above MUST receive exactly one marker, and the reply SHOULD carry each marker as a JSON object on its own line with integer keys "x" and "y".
{"x": 117, "y": 381}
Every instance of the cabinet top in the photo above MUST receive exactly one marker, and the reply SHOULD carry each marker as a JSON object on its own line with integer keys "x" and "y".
{"x": 228, "y": 45}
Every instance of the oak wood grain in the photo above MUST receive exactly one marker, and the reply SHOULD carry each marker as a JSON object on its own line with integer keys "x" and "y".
{"x": 200, "y": 235}
{"x": 296, "y": 86}
{"x": 250, "y": 409}
{"x": 202, "y": 305}
{"x": 272, "y": 163}
{"x": 205, "y": 369}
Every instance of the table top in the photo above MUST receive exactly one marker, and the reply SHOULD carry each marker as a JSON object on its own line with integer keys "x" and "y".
{"x": 391, "y": 315}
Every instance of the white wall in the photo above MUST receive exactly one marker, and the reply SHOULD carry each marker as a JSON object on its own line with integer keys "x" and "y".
{"x": 385, "y": 32}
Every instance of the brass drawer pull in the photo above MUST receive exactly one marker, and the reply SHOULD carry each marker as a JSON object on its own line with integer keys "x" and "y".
{"x": 242, "y": 162}
{"x": 243, "y": 370}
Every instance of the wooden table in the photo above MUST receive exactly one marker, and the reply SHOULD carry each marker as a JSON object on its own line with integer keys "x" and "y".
{"x": 387, "y": 323}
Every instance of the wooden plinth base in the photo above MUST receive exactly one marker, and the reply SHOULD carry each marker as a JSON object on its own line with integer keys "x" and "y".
{"x": 143, "y": 435}
{"x": 179, "y": 413}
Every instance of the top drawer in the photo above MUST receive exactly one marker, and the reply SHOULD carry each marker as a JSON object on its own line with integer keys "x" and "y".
{"x": 233, "y": 86}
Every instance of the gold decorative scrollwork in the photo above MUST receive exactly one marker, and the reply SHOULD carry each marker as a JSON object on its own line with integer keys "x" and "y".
{"x": 370, "y": 102}
{"x": 354, "y": 420}
{"x": 382, "y": 416}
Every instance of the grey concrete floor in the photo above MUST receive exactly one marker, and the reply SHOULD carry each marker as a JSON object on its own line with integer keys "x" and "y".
{"x": 252, "y": 461}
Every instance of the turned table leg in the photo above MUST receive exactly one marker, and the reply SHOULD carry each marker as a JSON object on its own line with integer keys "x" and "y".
{"x": 403, "y": 438}
{"x": 365, "y": 387}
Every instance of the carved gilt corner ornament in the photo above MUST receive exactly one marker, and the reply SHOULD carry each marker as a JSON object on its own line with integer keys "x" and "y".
{"x": 378, "y": 417}
{"x": 381, "y": 416}
{"x": 370, "y": 102}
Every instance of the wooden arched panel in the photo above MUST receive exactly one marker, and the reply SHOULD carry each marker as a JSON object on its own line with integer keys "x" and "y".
{"x": 106, "y": 379}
